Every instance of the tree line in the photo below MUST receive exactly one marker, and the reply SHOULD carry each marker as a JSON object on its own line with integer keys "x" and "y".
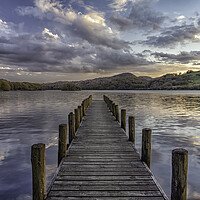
{"x": 7, "y": 86}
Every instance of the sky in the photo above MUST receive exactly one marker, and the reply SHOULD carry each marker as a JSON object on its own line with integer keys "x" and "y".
{"x": 52, "y": 40}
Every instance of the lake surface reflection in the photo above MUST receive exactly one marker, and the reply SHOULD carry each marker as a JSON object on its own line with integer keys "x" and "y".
{"x": 32, "y": 117}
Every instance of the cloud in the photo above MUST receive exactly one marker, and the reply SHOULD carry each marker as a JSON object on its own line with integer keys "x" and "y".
{"x": 48, "y": 52}
{"x": 174, "y": 35}
{"x": 122, "y": 22}
{"x": 46, "y": 33}
{"x": 180, "y": 18}
{"x": 95, "y": 34}
{"x": 78, "y": 43}
{"x": 182, "y": 58}
{"x": 6, "y": 29}
{"x": 106, "y": 59}
{"x": 141, "y": 16}
{"x": 29, "y": 10}
{"x": 91, "y": 26}
{"x": 120, "y": 5}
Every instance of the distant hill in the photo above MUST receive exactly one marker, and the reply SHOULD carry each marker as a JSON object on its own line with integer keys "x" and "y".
{"x": 128, "y": 81}
{"x": 125, "y": 81}
{"x": 187, "y": 81}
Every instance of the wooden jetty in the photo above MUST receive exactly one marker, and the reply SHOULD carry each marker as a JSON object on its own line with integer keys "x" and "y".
{"x": 102, "y": 162}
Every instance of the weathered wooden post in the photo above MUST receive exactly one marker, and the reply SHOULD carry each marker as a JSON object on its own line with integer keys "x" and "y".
{"x": 109, "y": 102}
{"x": 146, "y": 146}
{"x": 80, "y": 111}
{"x": 83, "y": 108}
{"x": 85, "y": 105}
{"x": 38, "y": 161}
{"x": 71, "y": 122}
{"x": 113, "y": 109}
{"x": 86, "y": 101}
{"x": 123, "y": 119}
{"x": 131, "y": 125}
{"x": 179, "y": 174}
{"x": 90, "y": 99}
{"x": 77, "y": 119}
{"x": 62, "y": 142}
{"x": 117, "y": 112}
{"x": 110, "y": 106}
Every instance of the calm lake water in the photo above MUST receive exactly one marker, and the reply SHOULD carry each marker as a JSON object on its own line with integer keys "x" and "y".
{"x": 32, "y": 117}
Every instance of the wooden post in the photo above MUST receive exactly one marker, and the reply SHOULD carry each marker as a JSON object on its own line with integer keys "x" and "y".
{"x": 117, "y": 112}
{"x": 80, "y": 111}
{"x": 71, "y": 122}
{"x": 62, "y": 142}
{"x": 107, "y": 101}
{"x": 83, "y": 108}
{"x": 146, "y": 146}
{"x": 86, "y": 103}
{"x": 110, "y": 106}
{"x": 113, "y": 109}
{"x": 179, "y": 174}
{"x": 131, "y": 125}
{"x": 77, "y": 119}
{"x": 123, "y": 119}
{"x": 38, "y": 161}
{"x": 90, "y": 97}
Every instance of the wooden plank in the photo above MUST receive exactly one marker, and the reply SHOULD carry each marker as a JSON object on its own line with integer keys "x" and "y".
{"x": 79, "y": 168}
{"x": 104, "y": 193}
{"x": 105, "y": 198}
{"x": 106, "y": 165}
{"x": 86, "y": 152}
{"x": 143, "y": 187}
{"x": 103, "y": 178}
{"x": 104, "y": 173}
{"x": 103, "y": 159}
{"x": 106, "y": 183}
{"x": 90, "y": 156}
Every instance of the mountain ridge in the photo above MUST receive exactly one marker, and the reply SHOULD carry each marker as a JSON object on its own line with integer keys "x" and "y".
{"x": 128, "y": 81}
{"x": 124, "y": 81}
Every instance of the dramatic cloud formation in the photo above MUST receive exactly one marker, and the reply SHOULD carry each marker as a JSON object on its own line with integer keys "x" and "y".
{"x": 141, "y": 16}
{"x": 96, "y": 36}
{"x": 182, "y": 57}
{"x": 85, "y": 43}
{"x": 47, "y": 52}
{"x": 173, "y": 35}
{"x": 91, "y": 26}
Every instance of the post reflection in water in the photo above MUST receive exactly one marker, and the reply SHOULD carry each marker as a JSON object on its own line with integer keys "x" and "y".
{"x": 33, "y": 117}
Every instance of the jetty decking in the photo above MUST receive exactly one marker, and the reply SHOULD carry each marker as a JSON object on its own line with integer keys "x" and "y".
{"x": 102, "y": 164}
